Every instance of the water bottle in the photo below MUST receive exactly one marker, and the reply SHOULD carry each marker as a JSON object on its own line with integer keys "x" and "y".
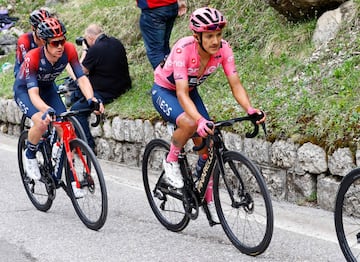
{"x": 55, "y": 152}
{"x": 200, "y": 165}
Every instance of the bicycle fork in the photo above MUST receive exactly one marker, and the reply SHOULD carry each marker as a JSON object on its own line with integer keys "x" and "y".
{"x": 79, "y": 184}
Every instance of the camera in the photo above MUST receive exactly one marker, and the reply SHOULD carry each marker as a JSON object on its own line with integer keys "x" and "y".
{"x": 79, "y": 40}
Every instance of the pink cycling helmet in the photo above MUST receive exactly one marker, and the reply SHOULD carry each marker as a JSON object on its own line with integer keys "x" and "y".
{"x": 206, "y": 19}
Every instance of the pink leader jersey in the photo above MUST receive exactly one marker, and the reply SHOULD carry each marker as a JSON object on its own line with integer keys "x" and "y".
{"x": 183, "y": 63}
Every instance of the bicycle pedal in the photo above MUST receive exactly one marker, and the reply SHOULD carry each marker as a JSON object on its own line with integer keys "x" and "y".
{"x": 59, "y": 184}
{"x": 158, "y": 194}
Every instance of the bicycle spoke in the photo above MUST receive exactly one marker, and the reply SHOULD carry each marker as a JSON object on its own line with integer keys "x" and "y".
{"x": 244, "y": 205}
{"x": 166, "y": 203}
{"x": 92, "y": 205}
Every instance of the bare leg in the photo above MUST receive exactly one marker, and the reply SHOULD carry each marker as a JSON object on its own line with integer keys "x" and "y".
{"x": 37, "y": 129}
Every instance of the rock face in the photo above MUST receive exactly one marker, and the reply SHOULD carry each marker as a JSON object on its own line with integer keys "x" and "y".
{"x": 295, "y": 10}
{"x": 330, "y": 22}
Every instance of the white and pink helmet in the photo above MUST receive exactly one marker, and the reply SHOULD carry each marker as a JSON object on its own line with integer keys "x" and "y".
{"x": 206, "y": 19}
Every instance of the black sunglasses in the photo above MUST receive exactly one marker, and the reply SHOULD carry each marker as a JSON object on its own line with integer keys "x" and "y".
{"x": 56, "y": 43}
{"x": 214, "y": 27}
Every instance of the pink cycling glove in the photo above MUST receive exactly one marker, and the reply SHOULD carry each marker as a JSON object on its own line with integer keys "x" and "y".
{"x": 202, "y": 128}
{"x": 251, "y": 111}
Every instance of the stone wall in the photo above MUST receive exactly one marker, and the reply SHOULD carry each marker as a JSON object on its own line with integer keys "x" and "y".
{"x": 295, "y": 173}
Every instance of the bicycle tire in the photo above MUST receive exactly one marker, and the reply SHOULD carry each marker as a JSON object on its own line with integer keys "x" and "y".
{"x": 26, "y": 123}
{"x": 78, "y": 128}
{"x": 167, "y": 205}
{"x": 92, "y": 208}
{"x": 347, "y": 215}
{"x": 36, "y": 190}
{"x": 248, "y": 221}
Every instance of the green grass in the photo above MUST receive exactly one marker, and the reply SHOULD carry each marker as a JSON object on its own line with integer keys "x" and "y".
{"x": 305, "y": 100}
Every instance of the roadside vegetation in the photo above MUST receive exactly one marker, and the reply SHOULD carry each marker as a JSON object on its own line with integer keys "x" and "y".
{"x": 308, "y": 95}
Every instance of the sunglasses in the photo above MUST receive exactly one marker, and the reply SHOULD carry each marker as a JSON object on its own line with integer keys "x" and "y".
{"x": 214, "y": 27}
{"x": 56, "y": 43}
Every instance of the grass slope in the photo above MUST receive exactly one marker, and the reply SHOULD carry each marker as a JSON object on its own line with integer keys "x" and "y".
{"x": 307, "y": 95}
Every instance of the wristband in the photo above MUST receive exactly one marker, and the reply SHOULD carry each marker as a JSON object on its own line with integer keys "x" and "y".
{"x": 50, "y": 111}
{"x": 89, "y": 101}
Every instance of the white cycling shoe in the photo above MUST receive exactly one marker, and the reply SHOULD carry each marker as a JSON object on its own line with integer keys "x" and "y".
{"x": 212, "y": 210}
{"x": 172, "y": 174}
{"x": 32, "y": 168}
{"x": 78, "y": 192}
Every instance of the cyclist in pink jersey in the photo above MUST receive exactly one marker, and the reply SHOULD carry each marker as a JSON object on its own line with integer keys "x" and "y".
{"x": 174, "y": 93}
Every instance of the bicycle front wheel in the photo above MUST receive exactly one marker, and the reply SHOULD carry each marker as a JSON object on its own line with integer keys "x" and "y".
{"x": 166, "y": 203}
{"x": 41, "y": 193}
{"x": 78, "y": 128}
{"x": 243, "y": 204}
{"x": 347, "y": 215}
{"x": 92, "y": 206}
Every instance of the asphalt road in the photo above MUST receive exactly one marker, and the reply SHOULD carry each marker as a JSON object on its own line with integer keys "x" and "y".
{"x": 132, "y": 233}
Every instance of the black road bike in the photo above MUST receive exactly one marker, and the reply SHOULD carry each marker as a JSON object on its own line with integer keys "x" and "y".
{"x": 241, "y": 197}
{"x": 80, "y": 164}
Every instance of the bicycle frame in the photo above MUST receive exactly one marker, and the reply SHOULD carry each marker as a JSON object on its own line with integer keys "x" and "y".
{"x": 68, "y": 135}
{"x": 216, "y": 148}
{"x": 205, "y": 175}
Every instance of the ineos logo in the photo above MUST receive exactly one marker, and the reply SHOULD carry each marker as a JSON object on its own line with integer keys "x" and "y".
{"x": 164, "y": 106}
{"x": 22, "y": 106}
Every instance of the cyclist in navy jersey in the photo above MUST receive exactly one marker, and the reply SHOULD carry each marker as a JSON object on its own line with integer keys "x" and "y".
{"x": 34, "y": 88}
{"x": 29, "y": 40}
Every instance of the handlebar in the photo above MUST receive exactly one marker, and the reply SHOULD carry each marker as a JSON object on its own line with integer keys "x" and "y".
{"x": 225, "y": 123}
{"x": 252, "y": 118}
{"x": 67, "y": 114}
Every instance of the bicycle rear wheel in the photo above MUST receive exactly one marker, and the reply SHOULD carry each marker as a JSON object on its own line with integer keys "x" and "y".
{"x": 166, "y": 203}
{"x": 93, "y": 206}
{"x": 347, "y": 215}
{"x": 41, "y": 193}
{"x": 243, "y": 204}
{"x": 25, "y": 123}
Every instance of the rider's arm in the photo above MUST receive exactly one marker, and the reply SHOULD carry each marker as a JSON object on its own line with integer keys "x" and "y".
{"x": 83, "y": 80}
{"x": 70, "y": 71}
{"x": 241, "y": 95}
{"x": 182, "y": 93}
{"x": 239, "y": 91}
{"x": 86, "y": 87}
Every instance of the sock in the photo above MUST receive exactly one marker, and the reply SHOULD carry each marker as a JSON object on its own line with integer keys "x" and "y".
{"x": 209, "y": 191}
{"x": 31, "y": 150}
{"x": 173, "y": 154}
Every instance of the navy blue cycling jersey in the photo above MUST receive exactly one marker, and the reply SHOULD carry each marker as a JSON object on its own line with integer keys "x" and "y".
{"x": 37, "y": 72}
